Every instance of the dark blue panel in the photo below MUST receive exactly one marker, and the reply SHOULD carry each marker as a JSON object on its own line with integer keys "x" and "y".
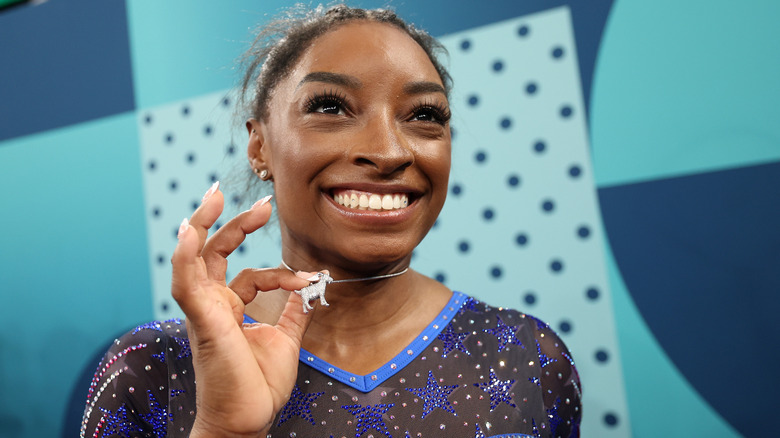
{"x": 441, "y": 17}
{"x": 701, "y": 257}
{"x": 63, "y": 62}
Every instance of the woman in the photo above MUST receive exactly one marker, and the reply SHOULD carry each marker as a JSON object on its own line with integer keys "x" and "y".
{"x": 350, "y": 124}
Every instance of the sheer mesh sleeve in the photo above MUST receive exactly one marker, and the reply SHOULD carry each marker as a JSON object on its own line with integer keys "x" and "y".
{"x": 129, "y": 394}
{"x": 560, "y": 383}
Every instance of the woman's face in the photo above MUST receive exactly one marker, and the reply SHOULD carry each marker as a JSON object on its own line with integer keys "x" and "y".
{"x": 361, "y": 119}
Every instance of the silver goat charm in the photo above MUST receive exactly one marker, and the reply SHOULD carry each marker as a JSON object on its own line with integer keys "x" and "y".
{"x": 315, "y": 290}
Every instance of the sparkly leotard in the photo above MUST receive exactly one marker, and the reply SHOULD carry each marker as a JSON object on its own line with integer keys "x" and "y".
{"x": 475, "y": 371}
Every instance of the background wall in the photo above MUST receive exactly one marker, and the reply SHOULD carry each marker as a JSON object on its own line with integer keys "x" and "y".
{"x": 616, "y": 173}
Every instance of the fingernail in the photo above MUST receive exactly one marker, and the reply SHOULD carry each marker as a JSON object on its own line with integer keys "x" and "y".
{"x": 210, "y": 192}
{"x": 185, "y": 225}
{"x": 308, "y": 276}
{"x": 261, "y": 202}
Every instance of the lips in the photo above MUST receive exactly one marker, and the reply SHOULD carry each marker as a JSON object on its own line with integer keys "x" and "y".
{"x": 361, "y": 200}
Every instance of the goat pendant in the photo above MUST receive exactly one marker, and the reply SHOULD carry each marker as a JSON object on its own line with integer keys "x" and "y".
{"x": 315, "y": 290}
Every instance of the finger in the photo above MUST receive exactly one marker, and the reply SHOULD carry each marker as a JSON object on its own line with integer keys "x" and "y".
{"x": 249, "y": 281}
{"x": 207, "y": 213}
{"x": 293, "y": 321}
{"x": 231, "y": 235}
{"x": 187, "y": 269}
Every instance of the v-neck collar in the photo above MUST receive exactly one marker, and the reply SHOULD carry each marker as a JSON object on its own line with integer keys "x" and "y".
{"x": 366, "y": 383}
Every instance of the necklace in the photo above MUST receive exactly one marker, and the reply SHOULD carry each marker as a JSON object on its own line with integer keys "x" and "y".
{"x": 317, "y": 287}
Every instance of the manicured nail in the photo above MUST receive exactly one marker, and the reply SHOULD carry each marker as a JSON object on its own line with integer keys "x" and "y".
{"x": 262, "y": 202}
{"x": 185, "y": 225}
{"x": 308, "y": 276}
{"x": 211, "y": 191}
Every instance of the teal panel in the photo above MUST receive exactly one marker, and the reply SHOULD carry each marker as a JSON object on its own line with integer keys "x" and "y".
{"x": 661, "y": 401}
{"x": 183, "y": 48}
{"x": 685, "y": 87}
{"x": 73, "y": 263}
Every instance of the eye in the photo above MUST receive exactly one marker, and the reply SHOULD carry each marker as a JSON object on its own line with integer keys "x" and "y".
{"x": 328, "y": 102}
{"x": 436, "y": 113}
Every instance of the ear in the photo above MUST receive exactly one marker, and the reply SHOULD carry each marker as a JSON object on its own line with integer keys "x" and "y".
{"x": 256, "y": 152}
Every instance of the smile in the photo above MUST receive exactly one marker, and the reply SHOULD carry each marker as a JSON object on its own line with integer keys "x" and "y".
{"x": 371, "y": 201}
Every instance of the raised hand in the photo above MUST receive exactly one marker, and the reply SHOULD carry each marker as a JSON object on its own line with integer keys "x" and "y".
{"x": 244, "y": 372}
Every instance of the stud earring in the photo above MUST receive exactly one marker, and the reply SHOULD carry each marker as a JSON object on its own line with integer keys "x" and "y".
{"x": 264, "y": 175}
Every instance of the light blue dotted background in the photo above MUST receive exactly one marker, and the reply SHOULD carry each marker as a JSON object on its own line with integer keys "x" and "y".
{"x": 521, "y": 227}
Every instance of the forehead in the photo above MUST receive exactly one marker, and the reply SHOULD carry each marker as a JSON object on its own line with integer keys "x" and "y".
{"x": 366, "y": 48}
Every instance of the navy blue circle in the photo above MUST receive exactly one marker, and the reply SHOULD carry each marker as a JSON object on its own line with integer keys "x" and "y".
{"x": 496, "y": 272}
{"x": 556, "y": 265}
{"x": 169, "y": 138}
{"x": 592, "y": 293}
{"x": 540, "y": 146}
{"x": 195, "y": 205}
{"x": 463, "y": 246}
{"x": 173, "y": 185}
{"x": 498, "y": 65}
{"x": 241, "y": 249}
{"x": 513, "y": 180}
{"x": 191, "y": 157}
{"x": 583, "y": 231}
{"x": 217, "y": 226}
{"x": 575, "y": 171}
{"x": 557, "y": 52}
{"x": 236, "y": 199}
{"x": 152, "y": 165}
{"x": 231, "y": 149}
{"x": 161, "y": 258}
{"x": 207, "y": 130}
{"x": 602, "y": 356}
{"x": 473, "y": 100}
{"x": 156, "y": 212}
{"x": 506, "y": 123}
{"x": 480, "y": 156}
{"x": 465, "y": 45}
{"x": 456, "y": 189}
{"x": 164, "y": 307}
{"x": 566, "y": 111}
{"x": 521, "y": 239}
{"x": 488, "y": 214}
{"x": 435, "y": 223}
{"x": 185, "y": 111}
{"x": 548, "y": 205}
{"x": 564, "y": 326}
{"x": 531, "y": 88}
{"x": 148, "y": 119}
{"x": 530, "y": 298}
{"x": 213, "y": 177}
{"x": 226, "y": 101}
{"x": 452, "y": 132}
{"x": 523, "y": 30}
{"x": 440, "y": 277}
{"x": 610, "y": 419}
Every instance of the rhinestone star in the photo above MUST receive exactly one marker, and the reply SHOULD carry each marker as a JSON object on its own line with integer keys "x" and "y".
{"x": 118, "y": 423}
{"x": 154, "y": 325}
{"x": 499, "y": 390}
{"x": 452, "y": 341}
{"x": 544, "y": 360}
{"x": 369, "y": 417}
{"x": 554, "y": 416}
{"x": 158, "y": 416}
{"x": 184, "y": 343}
{"x": 434, "y": 396}
{"x": 505, "y": 334}
{"x": 299, "y": 405}
{"x": 471, "y": 304}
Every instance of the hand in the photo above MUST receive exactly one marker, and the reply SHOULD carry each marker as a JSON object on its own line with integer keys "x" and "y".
{"x": 245, "y": 372}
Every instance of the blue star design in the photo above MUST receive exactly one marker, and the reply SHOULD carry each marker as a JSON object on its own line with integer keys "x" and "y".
{"x": 452, "y": 341}
{"x": 160, "y": 356}
{"x": 158, "y": 417}
{"x": 175, "y": 392}
{"x": 369, "y": 417}
{"x": 505, "y": 334}
{"x": 434, "y": 396}
{"x": 499, "y": 390}
{"x": 184, "y": 343}
{"x": 544, "y": 360}
{"x": 554, "y": 416}
{"x": 299, "y": 405}
{"x": 118, "y": 423}
{"x": 471, "y": 304}
{"x": 154, "y": 325}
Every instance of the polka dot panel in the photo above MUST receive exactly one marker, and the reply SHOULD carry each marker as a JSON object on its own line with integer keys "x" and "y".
{"x": 185, "y": 147}
{"x": 521, "y": 229}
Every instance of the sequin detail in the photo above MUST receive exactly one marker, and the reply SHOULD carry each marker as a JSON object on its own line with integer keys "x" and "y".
{"x": 499, "y": 390}
{"x": 369, "y": 417}
{"x": 452, "y": 341}
{"x": 505, "y": 334}
{"x": 434, "y": 396}
{"x": 299, "y": 405}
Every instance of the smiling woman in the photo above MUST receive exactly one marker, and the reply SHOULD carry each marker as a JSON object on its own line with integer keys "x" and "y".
{"x": 349, "y": 121}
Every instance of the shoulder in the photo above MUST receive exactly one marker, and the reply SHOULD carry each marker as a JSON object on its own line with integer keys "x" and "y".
{"x": 130, "y": 387}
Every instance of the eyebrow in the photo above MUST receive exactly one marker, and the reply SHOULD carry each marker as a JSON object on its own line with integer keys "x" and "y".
{"x": 331, "y": 78}
{"x": 423, "y": 87}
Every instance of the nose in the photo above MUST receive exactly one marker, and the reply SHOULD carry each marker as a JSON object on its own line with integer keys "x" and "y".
{"x": 383, "y": 147}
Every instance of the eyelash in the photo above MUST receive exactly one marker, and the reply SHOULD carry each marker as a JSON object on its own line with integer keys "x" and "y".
{"x": 440, "y": 112}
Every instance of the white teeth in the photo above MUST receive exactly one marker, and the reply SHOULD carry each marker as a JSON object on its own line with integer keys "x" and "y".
{"x": 372, "y": 201}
